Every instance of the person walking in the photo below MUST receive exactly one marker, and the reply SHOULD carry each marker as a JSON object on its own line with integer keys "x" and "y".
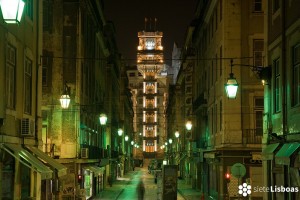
{"x": 141, "y": 190}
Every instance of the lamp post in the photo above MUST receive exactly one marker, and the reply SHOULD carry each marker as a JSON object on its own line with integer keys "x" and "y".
{"x": 177, "y": 134}
{"x": 103, "y": 120}
{"x": 188, "y": 126}
{"x": 12, "y": 10}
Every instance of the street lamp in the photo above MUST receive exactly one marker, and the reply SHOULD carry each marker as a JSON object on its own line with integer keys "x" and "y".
{"x": 12, "y": 10}
{"x": 120, "y": 132}
{"x": 231, "y": 86}
{"x": 103, "y": 119}
{"x": 126, "y": 138}
{"x": 65, "y": 97}
{"x": 188, "y": 125}
{"x": 177, "y": 134}
{"x": 170, "y": 140}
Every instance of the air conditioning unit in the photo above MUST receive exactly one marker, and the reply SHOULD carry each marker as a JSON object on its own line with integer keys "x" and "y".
{"x": 84, "y": 153}
{"x": 27, "y": 127}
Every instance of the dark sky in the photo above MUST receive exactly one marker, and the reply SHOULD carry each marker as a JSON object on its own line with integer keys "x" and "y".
{"x": 128, "y": 16}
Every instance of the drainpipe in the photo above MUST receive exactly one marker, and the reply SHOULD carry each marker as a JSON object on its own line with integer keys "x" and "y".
{"x": 38, "y": 93}
{"x": 284, "y": 92}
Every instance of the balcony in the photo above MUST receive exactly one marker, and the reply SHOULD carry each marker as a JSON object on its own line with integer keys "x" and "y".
{"x": 95, "y": 152}
{"x": 252, "y": 136}
{"x": 150, "y": 123}
{"x": 199, "y": 102}
{"x": 150, "y": 79}
{"x": 150, "y": 109}
{"x": 151, "y": 138}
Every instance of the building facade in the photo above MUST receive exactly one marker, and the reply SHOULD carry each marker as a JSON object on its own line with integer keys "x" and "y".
{"x": 281, "y": 127}
{"x": 80, "y": 59}
{"x": 25, "y": 170}
{"x": 225, "y": 131}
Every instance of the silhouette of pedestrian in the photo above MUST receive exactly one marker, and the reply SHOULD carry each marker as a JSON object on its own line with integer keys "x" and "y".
{"x": 141, "y": 190}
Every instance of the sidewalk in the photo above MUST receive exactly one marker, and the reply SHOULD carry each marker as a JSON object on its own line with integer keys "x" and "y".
{"x": 185, "y": 191}
{"x": 112, "y": 193}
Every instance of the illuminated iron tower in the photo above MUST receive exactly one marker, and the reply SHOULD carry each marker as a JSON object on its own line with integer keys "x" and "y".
{"x": 150, "y": 63}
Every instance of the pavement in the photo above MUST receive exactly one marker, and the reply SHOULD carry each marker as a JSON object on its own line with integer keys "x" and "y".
{"x": 184, "y": 191}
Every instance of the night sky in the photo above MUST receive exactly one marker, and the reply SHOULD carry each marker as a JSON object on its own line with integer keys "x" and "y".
{"x": 128, "y": 16}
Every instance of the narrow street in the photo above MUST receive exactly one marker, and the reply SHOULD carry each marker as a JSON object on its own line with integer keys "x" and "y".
{"x": 126, "y": 187}
{"x": 131, "y": 191}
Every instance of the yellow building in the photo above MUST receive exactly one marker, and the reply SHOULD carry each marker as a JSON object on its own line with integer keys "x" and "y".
{"x": 225, "y": 131}
{"x": 281, "y": 142}
{"x": 25, "y": 170}
{"x": 80, "y": 61}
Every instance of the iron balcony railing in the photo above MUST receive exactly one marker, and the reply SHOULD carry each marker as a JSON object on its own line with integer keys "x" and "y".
{"x": 95, "y": 152}
{"x": 252, "y": 136}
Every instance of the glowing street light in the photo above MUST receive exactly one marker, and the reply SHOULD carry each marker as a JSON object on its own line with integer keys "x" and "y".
{"x": 177, "y": 134}
{"x": 65, "y": 97}
{"x": 12, "y": 10}
{"x": 188, "y": 125}
{"x": 103, "y": 119}
{"x": 120, "y": 132}
{"x": 126, "y": 138}
{"x": 231, "y": 86}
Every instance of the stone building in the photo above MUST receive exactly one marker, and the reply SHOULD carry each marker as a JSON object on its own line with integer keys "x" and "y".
{"x": 281, "y": 140}
{"x": 25, "y": 170}
{"x": 80, "y": 60}
{"x": 225, "y": 131}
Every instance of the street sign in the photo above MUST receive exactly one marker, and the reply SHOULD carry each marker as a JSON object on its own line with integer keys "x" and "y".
{"x": 169, "y": 183}
{"x": 238, "y": 170}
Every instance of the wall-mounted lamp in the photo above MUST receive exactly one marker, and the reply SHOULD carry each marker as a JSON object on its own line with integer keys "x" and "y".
{"x": 103, "y": 119}
{"x": 65, "y": 97}
{"x": 12, "y": 10}
{"x": 120, "y": 132}
{"x": 231, "y": 87}
{"x": 189, "y": 125}
{"x": 177, "y": 133}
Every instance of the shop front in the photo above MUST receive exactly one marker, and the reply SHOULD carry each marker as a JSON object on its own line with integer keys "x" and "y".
{"x": 93, "y": 180}
{"x": 21, "y": 172}
{"x": 49, "y": 191}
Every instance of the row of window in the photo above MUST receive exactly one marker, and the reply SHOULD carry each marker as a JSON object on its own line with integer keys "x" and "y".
{"x": 216, "y": 115}
{"x": 11, "y": 81}
{"x": 295, "y": 92}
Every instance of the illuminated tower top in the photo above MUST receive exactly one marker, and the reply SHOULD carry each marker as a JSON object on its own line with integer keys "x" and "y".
{"x": 150, "y": 50}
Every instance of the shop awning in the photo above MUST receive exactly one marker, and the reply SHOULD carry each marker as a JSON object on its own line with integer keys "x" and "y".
{"x": 95, "y": 169}
{"x": 27, "y": 159}
{"x": 268, "y": 152}
{"x": 282, "y": 157}
{"x": 60, "y": 168}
